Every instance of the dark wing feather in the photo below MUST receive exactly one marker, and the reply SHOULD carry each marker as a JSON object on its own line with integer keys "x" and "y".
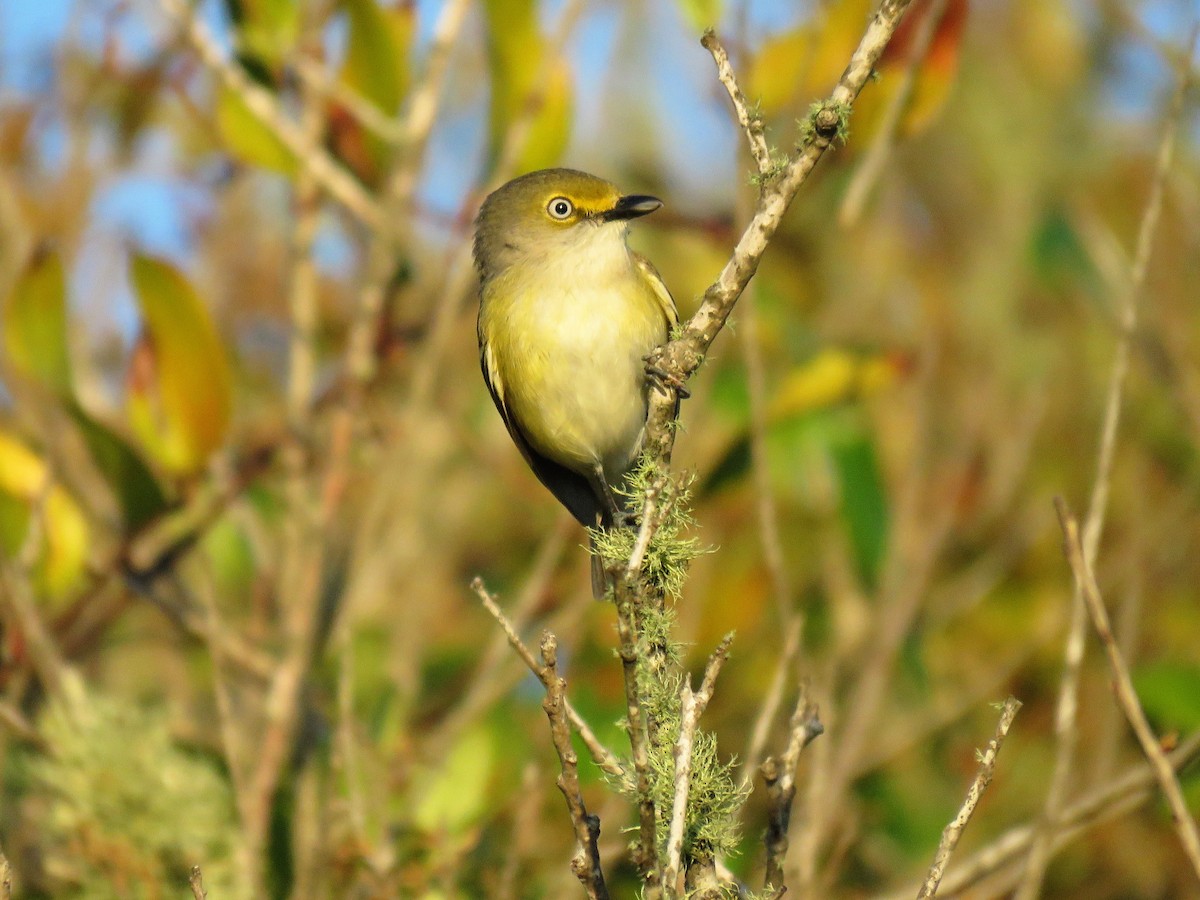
{"x": 572, "y": 490}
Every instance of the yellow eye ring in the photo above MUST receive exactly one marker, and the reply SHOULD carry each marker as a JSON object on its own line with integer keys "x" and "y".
{"x": 560, "y": 208}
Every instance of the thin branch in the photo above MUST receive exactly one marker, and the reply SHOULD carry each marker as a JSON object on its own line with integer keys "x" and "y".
{"x": 774, "y": 696}
{"x": 692, "y": 706}
{"x": 1066, "y": 712}
{"x": 953, "y": 831}
{"x": 196, "y": 883}
{"x": 751, "y": 121}
{"x": 1085, "y": 580}
{"x": 877, "y": 154}
{"x": 780, "y": 779}
{"x": 5, "y": 877}
{"x": 600, "y": 754}
{"x": 340, "y": 184}
{"x": 684, "y": 355}
{"x": 1110, "y": 799}
{"x": 586, "y": 862}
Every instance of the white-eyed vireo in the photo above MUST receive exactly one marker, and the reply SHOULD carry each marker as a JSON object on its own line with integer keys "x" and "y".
{"x": 567, "y": 315}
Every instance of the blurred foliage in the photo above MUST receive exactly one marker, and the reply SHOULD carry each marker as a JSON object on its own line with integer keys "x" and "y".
{"x": 124, "y": 809}
{"x": 172, "y": 279}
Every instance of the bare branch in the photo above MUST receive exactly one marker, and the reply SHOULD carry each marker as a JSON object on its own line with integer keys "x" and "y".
{"x": 196, "y": 883}
{"x": 692, "y": 706}
{"x": 683, "y": 356}
{"x": 1068, "y": 697}
{"x": 1127, "y": 697}
{"x": 340, "y": 184}
{"x": 953, "y": 831}
{"x": 586, "y": 863}
{"x": 780, "y": 779}
{"x": 1107, "y": 801}
{"x": 751, "y": 122}
{"x": 599, "y": 753}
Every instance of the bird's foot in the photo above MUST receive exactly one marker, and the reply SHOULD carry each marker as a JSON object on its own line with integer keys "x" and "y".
{"x": 664, "y": 379}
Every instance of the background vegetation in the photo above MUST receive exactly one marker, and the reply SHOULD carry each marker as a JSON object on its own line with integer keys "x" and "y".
{"x": 248, "y": 467}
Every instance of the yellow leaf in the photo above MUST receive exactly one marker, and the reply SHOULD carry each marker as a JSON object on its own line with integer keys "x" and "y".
{"x": 833, "y": 376}
{"x": 35, "y": 325}
{"x": 180, "y": 396}
{"x": 248, "y": 139}
{"x": 65, "y": 533}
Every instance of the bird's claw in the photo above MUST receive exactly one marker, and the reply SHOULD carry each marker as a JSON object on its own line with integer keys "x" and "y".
{"x": 666, "y": 380}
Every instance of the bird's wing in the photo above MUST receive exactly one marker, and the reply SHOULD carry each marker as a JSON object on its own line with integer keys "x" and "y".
{"x": 571, "y": 489}
{"x": 661, "y": 294}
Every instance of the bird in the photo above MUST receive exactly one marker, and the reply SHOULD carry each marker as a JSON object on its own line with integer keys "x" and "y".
{"x": 568, "y": 314}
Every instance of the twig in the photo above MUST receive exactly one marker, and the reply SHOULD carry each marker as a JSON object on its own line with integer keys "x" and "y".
{"x": 876, "y": 157}
{"x": 196, "y": 883}
{"x": 1085, "y": 580}
{"x": 780, "y": 779}
{"x": 5, "y": 877}
{"x": 751, "y": 122}
{"x": 683, "y": 356}
{"x": 340, "y": 184}
{"x": 692, "y": 706}
{"x": 774, "y": 697}
{"x": 1110, "y": 799}
{"x": 1066, "y": 711}
{"x": 599, "y": 753}
{"x": 953, "y": 831}
{"x": 586, "y": 862}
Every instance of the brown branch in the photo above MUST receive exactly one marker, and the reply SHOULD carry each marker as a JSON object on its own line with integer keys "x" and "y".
{"x": 751, "y": 122}
{"x": 1110, "y": 799}
{"x": 340, "y": 184}
{"x": 692, "y": 706}
{"x": 586, "y": 863}
{"x": 1066, "y": 711}
{"x": 600, "y": 754}
{"x": 196, "y": 883}
{"x": 953, "y": 831}
{"x": 1085, "y": 580}
{"x": 780, "y": 779}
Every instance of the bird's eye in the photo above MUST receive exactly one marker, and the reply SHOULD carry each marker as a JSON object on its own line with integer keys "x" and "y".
{"x": 560, "y": 208}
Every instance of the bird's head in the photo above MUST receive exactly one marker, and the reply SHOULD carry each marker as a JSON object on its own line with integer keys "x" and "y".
{"x": 552, "y": 211}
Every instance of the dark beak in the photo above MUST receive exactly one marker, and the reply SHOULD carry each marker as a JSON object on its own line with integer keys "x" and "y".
{"x": 631, "y": 207}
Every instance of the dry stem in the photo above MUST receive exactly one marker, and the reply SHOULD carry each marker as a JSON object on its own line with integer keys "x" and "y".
{"x": 586, "y": 863}
{"x": 692, "y": 705}
{"x": 1068, "y": 698}
{"x": 953, "y": 831}
{"x": 1085, "y": 581}
{"x": 780, "y": 779}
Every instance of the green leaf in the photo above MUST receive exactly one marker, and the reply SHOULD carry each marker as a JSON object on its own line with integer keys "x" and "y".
{"x": 35, "y": 325}
{"x": 136, "y": 489}
{"x": 455, "y": 796}
{"x": 864, "y": 506}
{"x": 377, "y": 51}
{"x": 1170, "y": 694}
{"x": 515, "y": 53}
{"x": 701, "y": 14}
{"x": 181, "y": 393}
{"x": 247, "y": 138}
